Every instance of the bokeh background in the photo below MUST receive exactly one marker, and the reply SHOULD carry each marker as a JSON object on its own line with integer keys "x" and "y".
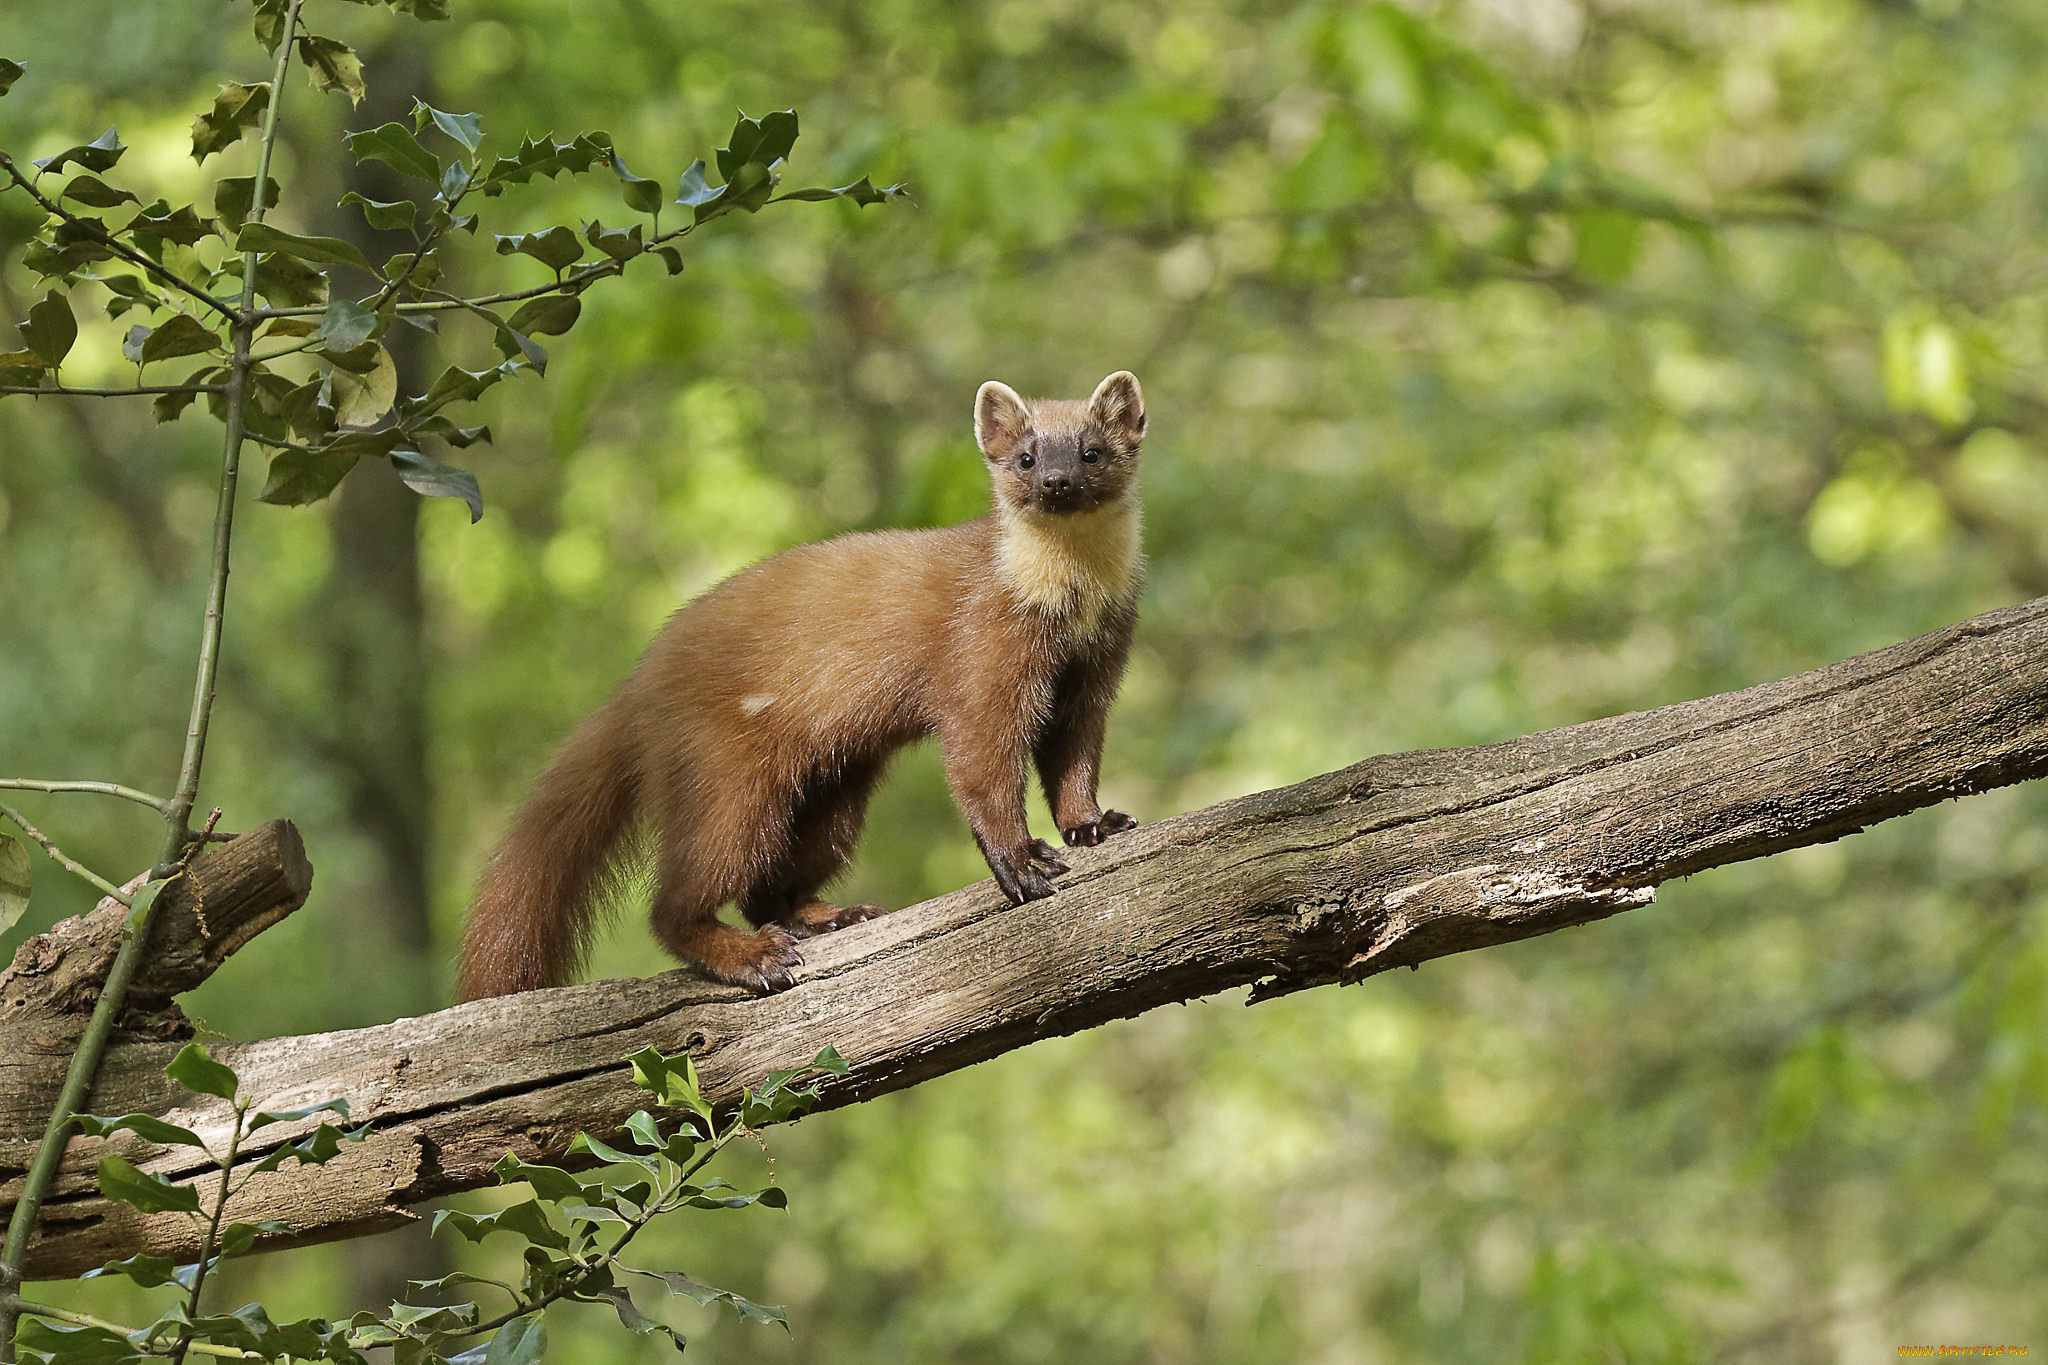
{"x": 1510, "y": 362}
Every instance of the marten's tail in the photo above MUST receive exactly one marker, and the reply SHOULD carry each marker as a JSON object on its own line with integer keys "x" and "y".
{"x": 533, "y": 911}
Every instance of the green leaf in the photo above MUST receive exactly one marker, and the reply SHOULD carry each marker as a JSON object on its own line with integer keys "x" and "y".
{"x": 264, "y": 1118}
{"x": 235, "y": 110}
{"x": 94, "y": 192}
{"x": 346, "y": 325}
{"x": 547, "y": 158}
{"x": 549, "y": 1182}
{"x": 152, "y": 1194}
{"x": 16, "y": 873}
{"x": 169, "y": 407}
{"x": 764, "y": 140}
{"x": 316, "y": 1148}
{"x": 300, "y": 477}
{"x": 642, "y": 194}
{"x": 430, "y": 478}
{"x": 621, "y": 244}
{"x": 327, "y": 250}
{"x": 196, "y": 1070}
{"x": 151, "y": 1272}
{"x": 861, "y": 192}
{"x": 10, "y": 72}
{"x": 549, "y": 315}
{"x": 395, "y": 216}
{"x": 705, "y": 1295}
{"x": 233, "y": 196}
{"x": 467, "y": 129}
{"x": 557, "y": 248}
{"x": 522, "y": 1341}
{"x": 332, "y": 65}
{"x": 363, "y": 400}
{"x": 237, "y": 1238}
{"x": 394, "y": 145}
{"x": 605, "y": 1152}
{"x": 100, "y": 154}
{"x": 672, "y": 1079}
{"x": 50, "y": 328}
{"x": 645, "y": 1131}
{"x": 180, "y": 225}
{"x": 146, "y": 1126}
{"x": 57, "y": 1341}
{"x": 181, "y": 334}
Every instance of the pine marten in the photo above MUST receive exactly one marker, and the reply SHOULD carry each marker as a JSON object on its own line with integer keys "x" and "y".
{"x": 752, "y": 734}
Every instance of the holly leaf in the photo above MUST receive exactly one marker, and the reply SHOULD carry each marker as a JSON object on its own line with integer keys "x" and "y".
{"x": 332, "y": 65}
{"x": 325, "y": 250}
{"x": 235, "y": 110}
{"x": 549, "y": 315}
{"x": 10, "y": 72}
{"x": 395, "y": 146}
{"x": 49, "y": 329}
{"x": 546, "y": 158}
{"x": 233, "y": 196}
{"x": 345, "y": 325}
{"x": 182, "y": 334}
{"x": 467, "y": 129}
{"x": 94, "y": 192}
{"x": 522, "y": 1341}
{"x": 391, "y": 217}
{"x": 430, "y": 478}
{"x": 861, "y": 192}
{"x": 120, "y": 1180}
{"x": 362, "y": 399}
{"x": 16, "y": 874}
{"x": 100, "y": 154}
{"x": 642, "y": 194}
{"x": 148, "y": 1127}
{"x": 196, "y": 1070}
{"x": 299, "y": 477}
{"x": 765, "y": 140}
{"x": 151, "y": 1272}
{"x": 557, "y": 248}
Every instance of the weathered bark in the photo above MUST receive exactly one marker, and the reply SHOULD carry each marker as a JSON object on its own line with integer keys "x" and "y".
{"x": 227, "y": 896}
{"x": 1385, "y": 864}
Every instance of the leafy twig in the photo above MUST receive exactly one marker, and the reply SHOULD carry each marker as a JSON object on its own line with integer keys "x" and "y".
{"x": 29, "y": 784}
{"x": 98, "y": 232}
{"x": 62, "y": 859}
{"x": 59, "y": 391}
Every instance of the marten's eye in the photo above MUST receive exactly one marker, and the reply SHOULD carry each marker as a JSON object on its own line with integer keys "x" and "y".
{"x": 1026, "y": 460}
{"x": 1091, "y": 454}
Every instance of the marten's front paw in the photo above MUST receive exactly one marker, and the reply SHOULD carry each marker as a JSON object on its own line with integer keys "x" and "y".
{"x": 1026, "y": 874}
{"x": 1092, "y": 832}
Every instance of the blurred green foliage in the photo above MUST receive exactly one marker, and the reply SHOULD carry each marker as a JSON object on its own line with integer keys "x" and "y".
{"x": 1510, "y": 363}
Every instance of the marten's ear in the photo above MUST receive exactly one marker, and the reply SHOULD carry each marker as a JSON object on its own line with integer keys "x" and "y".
{"x": 1000, "y": 419}
{"x": 1119, "y": 403}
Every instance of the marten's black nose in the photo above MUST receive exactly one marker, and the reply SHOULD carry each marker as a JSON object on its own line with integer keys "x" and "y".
{"x": 1057, "y": 482}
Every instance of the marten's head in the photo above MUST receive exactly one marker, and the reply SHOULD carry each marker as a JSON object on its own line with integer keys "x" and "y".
{"x": 1060, "y": 455}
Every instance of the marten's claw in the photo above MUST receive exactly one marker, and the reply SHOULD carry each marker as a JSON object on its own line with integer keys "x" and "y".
{"x": 1020, "y": 875}
{"x": 1089, "y": 833}
{"x": 1046, "y": 860}
{"x": 772, "y": 967}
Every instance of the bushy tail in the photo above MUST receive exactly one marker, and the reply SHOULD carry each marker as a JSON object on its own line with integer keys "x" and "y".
{"x": 533, "y": 912}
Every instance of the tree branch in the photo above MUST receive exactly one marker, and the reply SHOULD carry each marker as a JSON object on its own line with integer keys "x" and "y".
{"x": 1386, "y": 864}
{"x": 98, "y": 232}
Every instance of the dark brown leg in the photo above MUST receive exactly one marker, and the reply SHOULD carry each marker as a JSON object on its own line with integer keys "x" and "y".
{"x": 711, "y": 848}
{"x": 822, "y": 837}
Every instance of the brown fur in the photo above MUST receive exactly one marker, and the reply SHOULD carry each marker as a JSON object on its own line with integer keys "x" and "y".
{"x": 755, "y": 729}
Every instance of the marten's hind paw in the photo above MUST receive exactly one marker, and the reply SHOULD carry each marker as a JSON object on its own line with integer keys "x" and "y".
{"x": 822, "y": 917}
{"x": 762, "y": 961}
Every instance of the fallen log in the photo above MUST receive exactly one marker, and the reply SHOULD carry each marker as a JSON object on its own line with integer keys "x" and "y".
{"x": 1388, "y": 863}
